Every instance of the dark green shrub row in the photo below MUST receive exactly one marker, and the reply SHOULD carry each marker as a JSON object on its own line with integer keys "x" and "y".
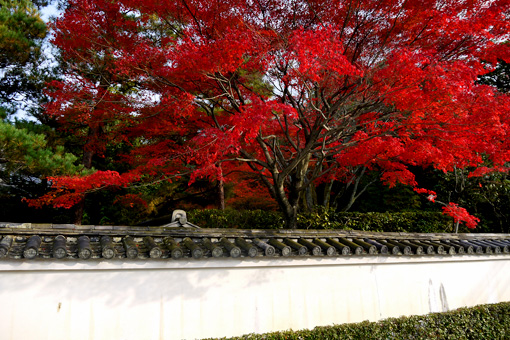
{"x": 480, "y": 322}
{"x": 426, "y": 222}
{"x": 414, "y": 221}
{"x": 239, "y": 219}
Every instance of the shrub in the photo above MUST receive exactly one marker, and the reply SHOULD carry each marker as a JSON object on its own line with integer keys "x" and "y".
{"x": 480, "y": 322}
{"x": 425, "y": 222}
{"x": 418, "y": 222}
{"x": 238, "y": 219}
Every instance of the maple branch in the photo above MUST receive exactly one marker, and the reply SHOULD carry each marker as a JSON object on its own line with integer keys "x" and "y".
{"x": 355, "y": 195}
{"x": 386, "y": 37}
{"x": 220, "y": 80}
{"x": 241, "y": 99}
{"x": 176, "y": 31}
{"x": 210, "y": 110}
{"x": 255, "y": 160}
{"x": 425, "y": 26}
{"x": 285, "y": 129}
{"x": 193, "y": 16}
{"x": 162, "y": 79}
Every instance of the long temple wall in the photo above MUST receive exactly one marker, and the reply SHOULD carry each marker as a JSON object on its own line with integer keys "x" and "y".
{"x": 193, "y": 299}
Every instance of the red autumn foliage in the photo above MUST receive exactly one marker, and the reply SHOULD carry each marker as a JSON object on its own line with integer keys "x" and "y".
{"x": 130, "y": 200}
{"x": 297, "y": 91}
{"x": 453, "y": 210}
{"x": 460, "y": 214}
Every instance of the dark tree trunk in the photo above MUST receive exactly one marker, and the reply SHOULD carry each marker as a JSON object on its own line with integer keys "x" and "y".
{"x": 291, "y": 216}
{"x": 79, "y": 208}
{"x": 221, "y": 194}
{"x": 327, "y": 194}
{"x": 220, "y": 189}
{"x": 288, "y": 200}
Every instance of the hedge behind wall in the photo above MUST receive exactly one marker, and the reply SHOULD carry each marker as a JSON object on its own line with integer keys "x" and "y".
{"x": 423, "y": 222}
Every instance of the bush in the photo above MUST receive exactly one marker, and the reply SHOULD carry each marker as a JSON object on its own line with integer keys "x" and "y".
{"x": 236, "y": 219}
{"x": 417, "y": 222}
{"x": 480, "y": 322}
{"x": 425, "y": 222}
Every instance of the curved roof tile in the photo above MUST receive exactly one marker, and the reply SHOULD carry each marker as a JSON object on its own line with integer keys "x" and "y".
{"x": 180, "y": 239}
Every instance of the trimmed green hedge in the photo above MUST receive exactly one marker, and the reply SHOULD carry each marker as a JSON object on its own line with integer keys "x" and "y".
{"x": 238, "y": 219}
{"x": 418, "y": 222}
{"x": 480, "y": 322}
{"x": 425, "y": 222}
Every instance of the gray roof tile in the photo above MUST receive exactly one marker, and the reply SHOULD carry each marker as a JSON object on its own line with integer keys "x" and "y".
{"x": 181, "y": 239}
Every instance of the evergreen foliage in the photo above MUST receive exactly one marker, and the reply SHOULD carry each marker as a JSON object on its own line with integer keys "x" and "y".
{"x": 21, "y": 34}
{"x": 26, "y": 159}
{"x": 415, "y": 221}
{"x": 480, "y": 322}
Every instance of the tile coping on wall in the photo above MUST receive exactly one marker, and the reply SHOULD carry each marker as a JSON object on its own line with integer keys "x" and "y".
{"x": 183, "y": 240}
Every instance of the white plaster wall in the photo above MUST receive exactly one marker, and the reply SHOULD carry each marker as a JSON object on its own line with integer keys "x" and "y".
{"x": 168, "y": 299}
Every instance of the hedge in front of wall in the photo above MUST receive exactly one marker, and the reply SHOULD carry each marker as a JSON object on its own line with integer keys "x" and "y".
{"x": 415, "y": 221}
{"x": 480, "y": 322}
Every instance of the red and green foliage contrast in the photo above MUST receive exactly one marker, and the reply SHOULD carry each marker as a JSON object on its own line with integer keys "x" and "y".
{"x": 297, "y": 93}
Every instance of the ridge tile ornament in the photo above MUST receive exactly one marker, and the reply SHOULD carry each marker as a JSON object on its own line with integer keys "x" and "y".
{"x": 183, "y": 240}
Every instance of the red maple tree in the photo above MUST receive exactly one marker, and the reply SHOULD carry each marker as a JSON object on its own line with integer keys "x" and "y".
{"x": 297, "y": 91}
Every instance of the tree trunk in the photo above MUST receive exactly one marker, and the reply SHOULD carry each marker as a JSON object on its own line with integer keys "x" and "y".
{"x": 288, "y": 209}
{"x": 221, "y": 194}
{"x": 79, "y": 208}
{"x": 327, "y": 194}
{"x": 220, "y": 189}
{"x": 290, "y": 214}
{"x": 309, "y": 200}
{"x": 288, "y": 200}
{"x": 291, "y": 177}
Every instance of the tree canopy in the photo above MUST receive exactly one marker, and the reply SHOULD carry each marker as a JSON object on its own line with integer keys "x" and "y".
{"x": 21, "y": 34}
{"x": 297, "y": 93}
